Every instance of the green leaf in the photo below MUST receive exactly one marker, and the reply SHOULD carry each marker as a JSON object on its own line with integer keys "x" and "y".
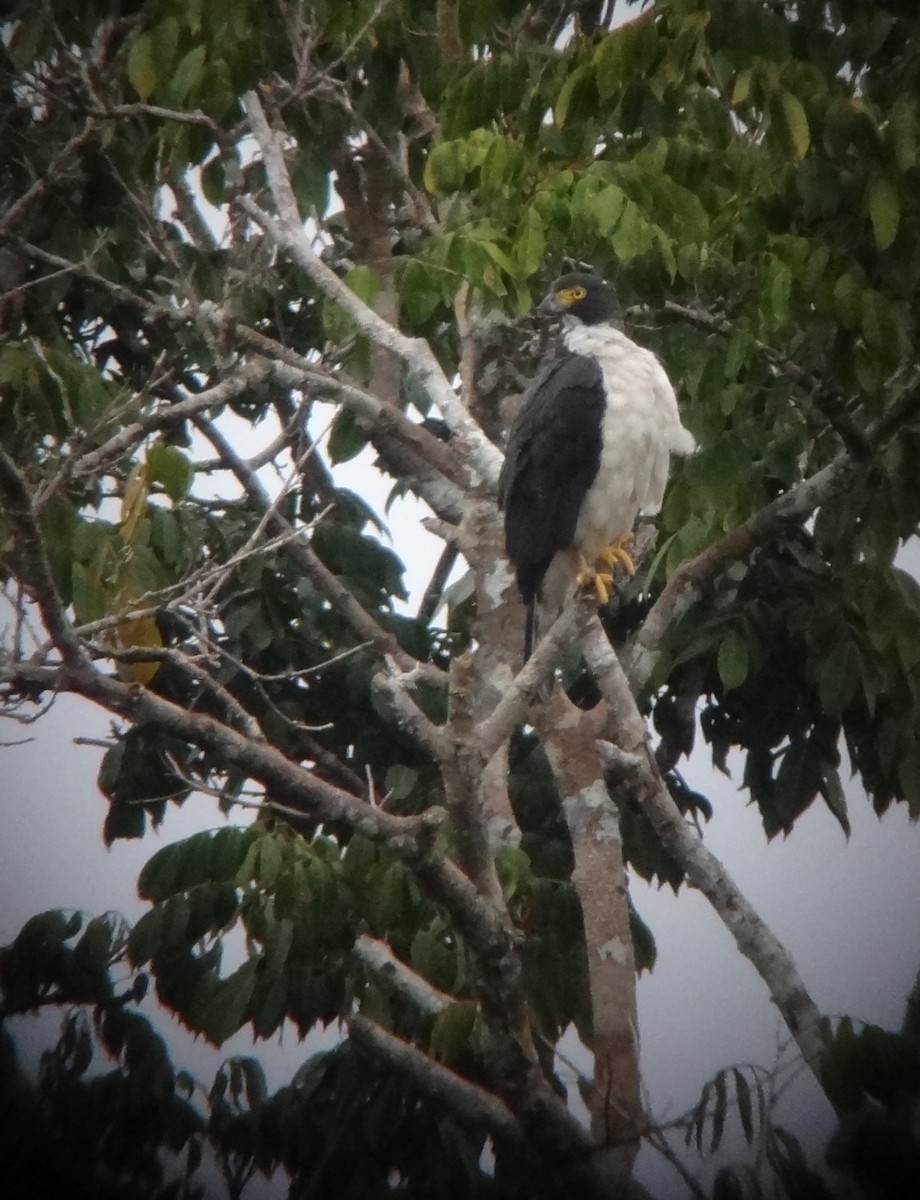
{"x": 531, "y": 245}
{"x": 167, "y": 465}
{"x": 847, "y": 300}
{"x": 347, "y": 437}
{"x": 741, "y": 88}
{"x": 214, "y": 182}
{"x": 645, "y": 952}
{"x": 733, "y": 660}
{"x": 566, "y": 92}
{"x": 496, "y": 167}
{"x": 364, "y": 283}
{"x": 400, "y": 780}
{"x": 796, "y": 124}
{"x": 88, "y": 597}
{"x": 142, "y": 65}
{"x": 884, "y": 211}
{"x": 432, "y": 958}
{"x": 834, "y": 796}
{"x": 219, "y": 1006}
{"x": 743, "y": 1097}
{"x": 776, "y": 293}
{"x": 719, "y": 1113}
{"x": 124, "y": 822}
{"x": 144, "y": 939}
{"x": 608, "y": 66}
{"x": 607, "y": 206}
{"x": 450, "y": 1034}
{"x": 311, "y": 183}
{"x": 184, "y": 79}
{"x": 446, "y": 167}
{"x": 797, "y": 782}
{"x": 838, "y": 677}
{"x": 909, "y": 779}
{"x": 627, "y": 239}
{"x": 165, "y": 39}
{"x": 903, "y": 131}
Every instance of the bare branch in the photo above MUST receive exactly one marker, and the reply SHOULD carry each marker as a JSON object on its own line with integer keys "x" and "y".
{"x": 464, "y": 777}
{"x": 194, "y": 671}
{"x": 380, "y": 959}
{"x": 753, "y": 937}
{"x": 411, "y": 718}
{"x": 482, "y": 458}
{"x": 512, "y": 708}
{"x": 430, "y": 601}
{"x": 331, "y": 587}
{"x": 245, "y": 376}
{"x": 693, "y": 577}
{"x": 430, "y": 467}
{"x": 419, "y": 201}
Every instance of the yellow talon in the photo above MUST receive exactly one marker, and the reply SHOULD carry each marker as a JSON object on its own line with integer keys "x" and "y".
{"x": 618, "y": 552}
{"x": 603, "y": 586}
{"x": 599, "y": 579}
{"x": 590, "y": 579}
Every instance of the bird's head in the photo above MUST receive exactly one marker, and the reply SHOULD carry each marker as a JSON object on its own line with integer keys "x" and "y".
{"x": 585, "y": 299}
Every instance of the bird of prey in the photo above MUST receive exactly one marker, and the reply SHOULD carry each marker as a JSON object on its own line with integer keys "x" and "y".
{"x": 588, "y": 451}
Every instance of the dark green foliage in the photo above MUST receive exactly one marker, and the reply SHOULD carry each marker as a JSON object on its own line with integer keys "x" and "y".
{"x": 117, "y": 1106}
{"x": 138, "y": 776}
{"x": 803, "y": 655}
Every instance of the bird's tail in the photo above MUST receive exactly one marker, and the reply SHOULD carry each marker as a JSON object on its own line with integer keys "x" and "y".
{"x": 530, "y": 628}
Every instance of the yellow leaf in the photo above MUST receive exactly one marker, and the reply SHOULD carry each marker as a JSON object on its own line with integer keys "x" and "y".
{"x": 134, "y": 502}
{"x": 139, "y": 634}
{"x": 796, "y": 123}
{"x": 142, "y": 66}
{"x": 742, "y": 87}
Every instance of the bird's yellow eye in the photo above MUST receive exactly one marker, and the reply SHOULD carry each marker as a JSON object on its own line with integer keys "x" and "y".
{"x": 571, "y": 295}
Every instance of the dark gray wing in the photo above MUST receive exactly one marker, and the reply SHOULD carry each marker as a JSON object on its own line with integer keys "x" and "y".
{"x": 553, "y": 456}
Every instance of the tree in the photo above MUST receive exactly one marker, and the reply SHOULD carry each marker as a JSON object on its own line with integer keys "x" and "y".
{"x": 224, "y": 211}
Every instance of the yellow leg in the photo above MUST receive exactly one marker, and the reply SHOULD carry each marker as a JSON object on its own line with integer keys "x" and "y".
{"x": 600, "y": 582}
{"x": 618, "y": 553}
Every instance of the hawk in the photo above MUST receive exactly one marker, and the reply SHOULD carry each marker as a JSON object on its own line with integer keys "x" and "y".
{"x": 588, "y": 451}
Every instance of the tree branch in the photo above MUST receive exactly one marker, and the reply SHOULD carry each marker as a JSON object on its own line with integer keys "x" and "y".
{"x": 29, "y": 549}
{"x": 753, "y": 937}
{"x": 20, "y": 209}
{"x": 512, "y": 708}
{"x": 411, "y": 718}
{"x": 482, "y": 458}
{"x": 379, "y": 958}
{"x": 245, "y": 376}
{"x": 429, "y": 465}
{"x": 472, "y": 1105}
{"x": 569, "y": 737}
{"x": 329, "y": 585}
{"x": 693, "y": 577}
{"x": 829, "y": 403}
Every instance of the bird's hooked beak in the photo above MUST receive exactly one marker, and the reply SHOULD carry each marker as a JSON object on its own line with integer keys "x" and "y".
{"x": 550, "y": 305}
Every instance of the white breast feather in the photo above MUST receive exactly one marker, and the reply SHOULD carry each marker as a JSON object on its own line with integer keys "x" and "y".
{"x": 640, "y": 430}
